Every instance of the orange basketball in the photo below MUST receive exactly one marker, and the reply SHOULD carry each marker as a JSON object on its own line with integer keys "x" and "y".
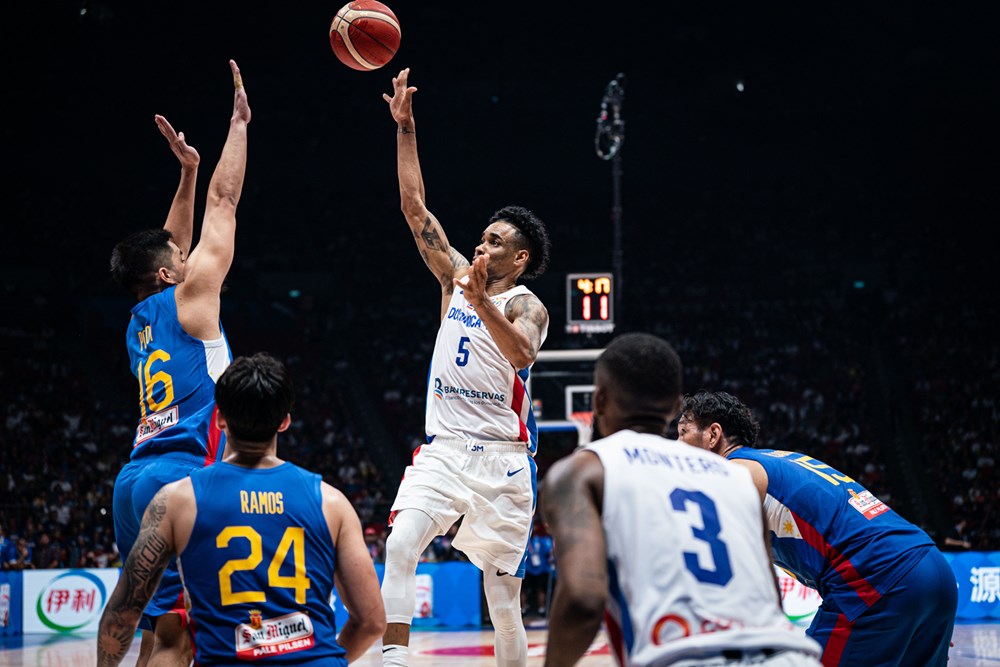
{"x": 365, "y": 34}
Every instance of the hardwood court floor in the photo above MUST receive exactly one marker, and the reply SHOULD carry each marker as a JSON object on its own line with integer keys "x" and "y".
{"x": 976, "y": 645}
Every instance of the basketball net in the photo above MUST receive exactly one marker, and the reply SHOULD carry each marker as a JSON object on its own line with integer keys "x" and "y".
{"x": 584, "y": 421}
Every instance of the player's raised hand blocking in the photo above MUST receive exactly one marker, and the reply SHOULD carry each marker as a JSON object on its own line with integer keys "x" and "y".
{"x": 187, "y": 155}
{"x": 241, "y": 107}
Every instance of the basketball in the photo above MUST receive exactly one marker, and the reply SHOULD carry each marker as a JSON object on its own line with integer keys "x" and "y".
{"x": 364, "y": 34}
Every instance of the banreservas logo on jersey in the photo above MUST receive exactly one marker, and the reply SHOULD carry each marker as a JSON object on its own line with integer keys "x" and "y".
{"x": 443, "y": 391}
{"x": 261, "y": 637}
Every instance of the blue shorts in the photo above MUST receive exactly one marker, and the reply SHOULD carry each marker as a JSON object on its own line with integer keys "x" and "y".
{"x": 910, "y": 625}
{"x": 135, "y": 486}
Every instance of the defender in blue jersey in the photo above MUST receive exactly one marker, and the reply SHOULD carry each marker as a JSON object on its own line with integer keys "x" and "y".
{"x": 262, "y": 546}
{"x": 177, "y": 350}
{"x": 889, "y": 596}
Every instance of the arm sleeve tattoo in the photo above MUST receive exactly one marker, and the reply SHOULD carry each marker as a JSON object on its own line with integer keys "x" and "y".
{"x": 140, "y": 577}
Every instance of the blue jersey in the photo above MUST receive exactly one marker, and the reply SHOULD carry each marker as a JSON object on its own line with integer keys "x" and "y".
{"x": 177, "y": 374}
{"x": 831, "y": 533}
{"x": 258, "y": 568}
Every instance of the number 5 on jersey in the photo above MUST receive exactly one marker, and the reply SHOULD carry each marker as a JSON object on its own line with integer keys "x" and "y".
{"x": 463, "y": 351}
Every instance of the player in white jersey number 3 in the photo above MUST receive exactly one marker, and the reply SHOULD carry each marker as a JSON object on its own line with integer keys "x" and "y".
{"x": 666, "y": 544}
{"x": 478, "y": 465}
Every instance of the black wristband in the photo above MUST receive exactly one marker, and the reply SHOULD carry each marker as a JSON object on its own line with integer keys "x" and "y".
{"x": 405, "y": 130}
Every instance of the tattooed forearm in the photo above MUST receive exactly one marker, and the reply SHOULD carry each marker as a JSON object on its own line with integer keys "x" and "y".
{"x": 151, "y": 553}
{"x": 115, "y": 637}
{"x": 140, "y": 576}
{"x": 430, "y": 235}
{"x": 458, "y": 261}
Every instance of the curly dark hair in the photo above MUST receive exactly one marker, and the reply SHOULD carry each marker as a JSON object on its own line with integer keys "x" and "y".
{"x": 137, "y": 258}
{"x": 735, "y": 418}
{"x": 534, "y": 235}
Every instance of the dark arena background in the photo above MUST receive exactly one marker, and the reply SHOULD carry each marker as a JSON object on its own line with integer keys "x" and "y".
{"x": 803, "y": 202}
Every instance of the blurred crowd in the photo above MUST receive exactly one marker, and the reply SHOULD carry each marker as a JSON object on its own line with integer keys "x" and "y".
{"x": 894, "y": 387}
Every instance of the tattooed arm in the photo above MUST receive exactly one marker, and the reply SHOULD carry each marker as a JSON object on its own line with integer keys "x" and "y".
{"x": 139, "y": 578}
{"x": 518, "y": 331}
{"x": 571, "y": 498}
{"x": 445, "y": 262}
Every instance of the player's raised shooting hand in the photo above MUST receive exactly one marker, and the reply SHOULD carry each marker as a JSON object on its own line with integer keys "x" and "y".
{"x": 401, "y": 101}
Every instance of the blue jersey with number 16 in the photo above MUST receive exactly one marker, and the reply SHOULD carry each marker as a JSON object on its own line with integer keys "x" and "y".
{"x": 177, "y": 374}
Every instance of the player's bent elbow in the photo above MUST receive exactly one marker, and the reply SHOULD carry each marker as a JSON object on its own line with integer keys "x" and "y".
{"x": 222, "y": 199}
{"x": 413, "y": 209}
{"x": 523, "y": 359}
{"x": 585, "y": 605}
{"x": 375, "y": 626}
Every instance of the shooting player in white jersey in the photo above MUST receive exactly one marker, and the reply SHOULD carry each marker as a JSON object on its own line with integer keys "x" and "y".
{"x": 477, "y": 465}
{"x": 667, "y": 545}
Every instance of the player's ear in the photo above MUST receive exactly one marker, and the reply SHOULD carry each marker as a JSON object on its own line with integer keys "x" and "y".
{"x": 599, "y": 400}
{"x": 220, "y": 421}
{"x": 522, "y": 256}
{"x": 714, "y": 432}
{"x": 285, "y": 423}
{"x": 166, "y": 275}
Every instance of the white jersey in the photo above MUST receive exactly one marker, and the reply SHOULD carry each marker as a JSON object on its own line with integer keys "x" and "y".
{"x": 473, "y": 392}
{"x": 689, "y": 575}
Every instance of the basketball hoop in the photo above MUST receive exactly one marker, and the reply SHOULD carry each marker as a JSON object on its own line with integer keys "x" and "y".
{"x": 585, "y": 418}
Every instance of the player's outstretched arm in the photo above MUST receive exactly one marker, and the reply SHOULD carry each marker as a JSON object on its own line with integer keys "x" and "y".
{"x": 354, "y": 576}
{"x": 138, "y": 581}
{"x": 180, "y": 218}
{"x": 198, "y": 296}
{"x": 445, "y": 262}
{"x": 571, "y": 496}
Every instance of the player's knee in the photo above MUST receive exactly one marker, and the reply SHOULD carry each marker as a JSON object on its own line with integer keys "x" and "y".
{"x": 506, "y": 618}
{"x": 402, "y": 548}
{"x": 504, "y": 603}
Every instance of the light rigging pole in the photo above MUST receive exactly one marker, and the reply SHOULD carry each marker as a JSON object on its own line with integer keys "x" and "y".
{"x": 608, "y": 142}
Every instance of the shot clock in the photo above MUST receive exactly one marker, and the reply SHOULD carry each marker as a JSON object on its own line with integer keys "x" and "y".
{"x": 590, "y": 303}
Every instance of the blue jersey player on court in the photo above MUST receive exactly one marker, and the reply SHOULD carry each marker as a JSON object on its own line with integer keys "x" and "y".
{"x": 889, "y": 596}
{"x": 177, "y": 350}
{"x": 478, "y": 464}
{"x": 262, "y": 545}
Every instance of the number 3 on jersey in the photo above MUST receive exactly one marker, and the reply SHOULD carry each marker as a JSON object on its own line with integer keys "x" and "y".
{"x": 463, "y": 351}
{"x": 708, "y": 533}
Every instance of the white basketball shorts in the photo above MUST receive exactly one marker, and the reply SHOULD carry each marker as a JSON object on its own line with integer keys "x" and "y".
{"x": 490, "y": 484}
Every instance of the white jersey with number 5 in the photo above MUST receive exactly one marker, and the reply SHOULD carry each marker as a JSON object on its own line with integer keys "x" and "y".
{"x": 473, "y": 391}
{"x": 689, "y": 575}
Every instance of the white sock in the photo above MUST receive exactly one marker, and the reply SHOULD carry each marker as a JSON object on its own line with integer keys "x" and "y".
{"x": 394, "y": 655}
